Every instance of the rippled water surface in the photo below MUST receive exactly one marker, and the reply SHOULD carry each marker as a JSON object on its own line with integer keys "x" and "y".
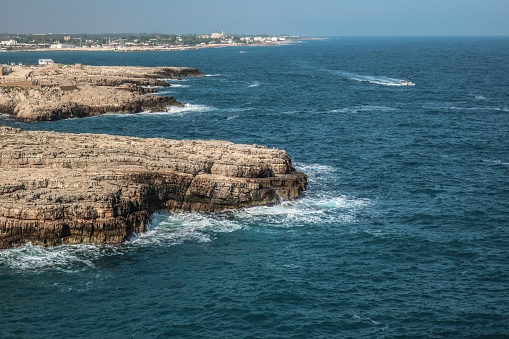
{"x": 403, "y": 231}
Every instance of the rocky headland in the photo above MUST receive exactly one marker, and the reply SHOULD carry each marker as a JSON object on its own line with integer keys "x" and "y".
{"x": 60, "y": 188}
{"x": 58, "y": 91}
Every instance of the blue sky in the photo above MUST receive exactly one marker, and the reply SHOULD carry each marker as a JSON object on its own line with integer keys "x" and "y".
{"x": 294, "y": 17}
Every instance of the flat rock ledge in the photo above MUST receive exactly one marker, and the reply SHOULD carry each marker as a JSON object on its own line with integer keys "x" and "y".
{"x": 58, "y": 91}
{"x": 61, "y": 188}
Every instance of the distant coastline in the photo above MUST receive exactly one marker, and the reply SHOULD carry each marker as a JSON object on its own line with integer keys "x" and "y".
{"x": 147, "y": 48}
{"x": 53, "y": 43}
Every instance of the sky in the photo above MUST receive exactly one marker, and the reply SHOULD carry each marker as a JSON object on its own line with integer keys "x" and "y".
{"x": 313, "y": 18}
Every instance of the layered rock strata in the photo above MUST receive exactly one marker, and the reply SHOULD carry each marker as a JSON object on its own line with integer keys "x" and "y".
{"x": 59, "y": 188}
{"x": 65, "y": 91}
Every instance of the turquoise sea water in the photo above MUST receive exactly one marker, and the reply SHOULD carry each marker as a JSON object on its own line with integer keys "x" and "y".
{"x": 403, "y": 231}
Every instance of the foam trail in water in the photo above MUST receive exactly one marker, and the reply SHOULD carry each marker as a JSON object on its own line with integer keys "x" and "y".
{"x": 365, "y": 108}
{"x": 254, "y": 84}
{"x": 377, "y": 80}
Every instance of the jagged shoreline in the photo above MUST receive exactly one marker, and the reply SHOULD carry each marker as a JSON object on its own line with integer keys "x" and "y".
{"x": 58, "y": 91}
{"x": 62, "y": 188}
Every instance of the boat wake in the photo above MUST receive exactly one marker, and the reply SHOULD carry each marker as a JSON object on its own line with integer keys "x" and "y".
{"x": 377, "y": 80}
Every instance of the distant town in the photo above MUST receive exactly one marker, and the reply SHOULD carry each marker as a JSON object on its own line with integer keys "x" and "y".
{"x": 132, "y": 41}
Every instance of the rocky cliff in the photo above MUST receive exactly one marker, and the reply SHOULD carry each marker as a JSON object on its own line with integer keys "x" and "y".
{"x": 65, "y": 91}
{"x": 59, "y": 188}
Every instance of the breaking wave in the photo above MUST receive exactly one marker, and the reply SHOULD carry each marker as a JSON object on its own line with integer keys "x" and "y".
{"x": 179, "y": 86}
{"x": 65, "y": 258}
{"x": 168, "y": 229}
{"x": 188, "y": 108}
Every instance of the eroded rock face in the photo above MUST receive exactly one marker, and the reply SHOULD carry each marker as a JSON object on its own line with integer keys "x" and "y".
{"x": 111, "y": 75}
{"x": 59, "y": 188}
{"x": 50, "y": 104}
{"x": 95, "y": 90}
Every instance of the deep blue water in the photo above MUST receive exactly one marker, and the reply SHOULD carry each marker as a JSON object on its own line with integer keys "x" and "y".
{"x": 402, "y": 233}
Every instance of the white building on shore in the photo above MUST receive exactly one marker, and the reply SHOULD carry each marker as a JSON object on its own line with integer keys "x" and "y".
{"x": 61, "y": 46}
{"x": 9, "y": 43}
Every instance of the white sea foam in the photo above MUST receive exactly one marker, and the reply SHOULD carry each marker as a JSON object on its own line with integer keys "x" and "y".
{"x": 286, "y": 214}
{"x": 304, "y": 211}
{"x": 188, "y": 108}
{"x": 315, "y": 168}
{"x": 153, "y": 87}
{"x": 377, "y": 80}
{"x": 475, "y": 108}
{"x": 364, "y": 108}
{"x": 316, "y": 172}
{"x": 365, "y": 319}
{"x": 66, "y": 258}
{"x": 167, "y": 229}
{"x": 340, "y": 202}
{"x": 173, "y": 79}
{"x": 496, "y": 162}
{"x": 179, "y": 86}
{"x": 177, "y": 228}
{"x": 254, "y": 84}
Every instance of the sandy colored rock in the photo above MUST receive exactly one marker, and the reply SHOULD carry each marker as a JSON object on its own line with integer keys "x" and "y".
{"x": 59, "y": 91}
{"x": 60, "y": 188}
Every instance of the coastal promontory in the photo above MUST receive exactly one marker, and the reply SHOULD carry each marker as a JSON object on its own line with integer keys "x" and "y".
{"x": 57, "y": 91}
{"x": 61, "y": 188}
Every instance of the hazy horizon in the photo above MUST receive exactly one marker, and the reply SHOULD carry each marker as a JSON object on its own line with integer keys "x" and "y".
{"x": 324, "y": 18}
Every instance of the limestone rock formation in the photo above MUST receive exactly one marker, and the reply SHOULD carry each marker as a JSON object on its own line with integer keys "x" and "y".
{"x": 59, "y": 91}
{"x": 60, "y": 188}
{"x": 110, "y": 75}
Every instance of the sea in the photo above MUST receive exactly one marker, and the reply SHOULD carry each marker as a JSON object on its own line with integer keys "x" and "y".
{"x": 402, "y": 233}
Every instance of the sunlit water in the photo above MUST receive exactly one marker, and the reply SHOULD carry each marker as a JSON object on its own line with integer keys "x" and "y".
{"x": 403, "y": 231}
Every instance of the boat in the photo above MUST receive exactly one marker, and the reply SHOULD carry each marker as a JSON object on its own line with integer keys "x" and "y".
{"x": 407, "y": 83}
